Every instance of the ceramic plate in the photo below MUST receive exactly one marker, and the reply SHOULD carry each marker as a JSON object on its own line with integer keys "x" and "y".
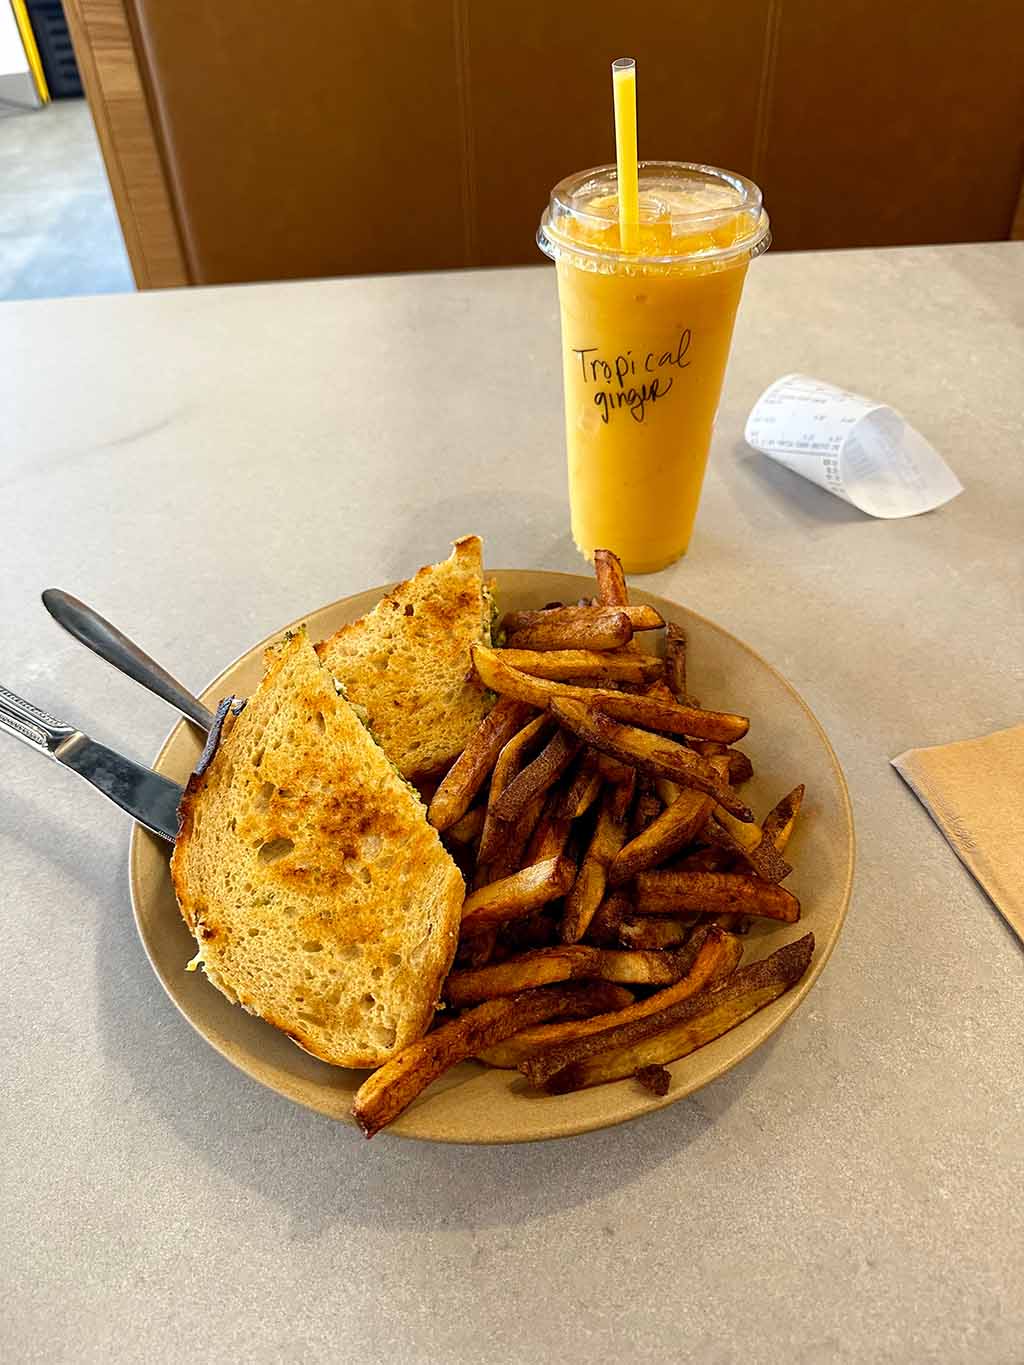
{"x": 473, "y": 1103}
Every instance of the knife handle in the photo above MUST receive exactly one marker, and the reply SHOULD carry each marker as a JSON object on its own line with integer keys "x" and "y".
{"x": 36, "y": 728}
{"x": 89, "y": 628}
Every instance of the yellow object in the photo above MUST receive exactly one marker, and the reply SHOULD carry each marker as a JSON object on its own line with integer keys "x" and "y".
{"x": 28, "y": 42}
{"x": 645, "y": 340}
{"x": 624, "y": 95}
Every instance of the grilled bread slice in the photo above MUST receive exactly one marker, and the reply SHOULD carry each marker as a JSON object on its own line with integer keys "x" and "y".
{"x": 408, "y": 662}
{"x": 319, "y": 896}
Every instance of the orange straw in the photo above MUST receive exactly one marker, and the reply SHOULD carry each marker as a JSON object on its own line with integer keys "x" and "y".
{"x": 624, "y": 95}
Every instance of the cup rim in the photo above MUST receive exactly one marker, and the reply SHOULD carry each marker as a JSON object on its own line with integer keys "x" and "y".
{"x": 557, "y": 245}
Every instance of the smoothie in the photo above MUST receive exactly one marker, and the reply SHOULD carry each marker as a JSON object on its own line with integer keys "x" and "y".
{"x": 645, "y": 340}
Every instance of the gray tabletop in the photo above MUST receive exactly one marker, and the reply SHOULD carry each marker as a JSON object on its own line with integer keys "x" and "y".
{"x": 208, "y": 464}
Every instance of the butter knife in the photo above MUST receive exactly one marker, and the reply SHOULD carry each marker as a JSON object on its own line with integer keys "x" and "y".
{"x": 150, "y": 799}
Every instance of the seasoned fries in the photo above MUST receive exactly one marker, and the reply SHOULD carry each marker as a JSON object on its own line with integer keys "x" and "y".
{"x": 592, "y": 628}
{"x": 583, "y": 790}
{"x": 595, "y": 816}
{"x": 663, "y": 893}
{"x": 468, "y": 827}
{"x": 507, "y": 765}
{"x": 656, "y": 1079}
{"x": 712, "y": 956}
{"x": 652, "y": 712}
{"x": 675, "y": 662}
{"x": 640, "y": 617}
{"x": 468, "y": 773}
{"x": 749, "y": 843}
{"x": 517, "y": 895}
{"x": 611, "y": 581}
{"x": 542, "y": 967}
{"x": 642, "y": 966}
{"x": 678, "y": 1030}
{"x": 648, "y": 752}
{"x": 676, "y": 826}
{"x": 551, "y": 834}
{"x": 655, "y": 931}
{"x": 608, "y": 666}
{"x": 394, "y": 1086}
{"x": 537, "y": 777}
{"x": 779, "y": 822}
{"x": 588, "y": 889}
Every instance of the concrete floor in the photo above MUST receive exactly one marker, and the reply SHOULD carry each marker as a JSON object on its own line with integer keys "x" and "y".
{"x": 59, "y": 232}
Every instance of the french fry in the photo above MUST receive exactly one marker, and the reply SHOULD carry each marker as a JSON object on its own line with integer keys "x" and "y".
{"x": 394, "y": 1086}
{"x": 512, "y": 855}
{"x": 674, "y": 1032}
{"x": 654, "y": 1078}
{"x": 552, "y": 832}
{"x": 611, "y": 580}
{"x": 512, "y": 1051}
{"x": 646, "y": 808}
{"x": 510, "y": 760}
{"x": 538, "y": 930}
{"x": 671, "y": 717}
{"x": 740, "y": 767}
{"x": 583, "y": 790}
{"x": 604, "y": 927}
{"x": 569, "y": 628}
{"x": 588, "y": 889}
{"x": 517, "y": 895}
{"x": 536, "y": 777}
{"x": 665, "y": 893}
{"x": 753, "y": 848}
{"x": 642, "y": 966}
{"x": 606, "y": 666}
{"x": 651, "y": 753}
{"x": 651, "y": 712}
{"x": 468, "y": 773}
{"x": 676, "y": 827}
{"x": 610, "y": 768}
{"x": 779, "y": 822}
{"x": 667, "y": 791}
{"x": 675, "y": 662}
{"x": 476, "y": 950}
{"x": 641, "y": 617}
{"x": 660, "y": 691}
{"x": 713, "y": 957}
{"x": 468, "y": 827}
{"x": 655, "y": 931}
{"x": 621, "y": 797}
{"x": 714, "y": 859}
{"x": 542, "y": 967}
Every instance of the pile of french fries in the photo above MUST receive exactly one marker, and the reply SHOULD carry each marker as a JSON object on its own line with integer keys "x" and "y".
{"x": 611, "y": 862}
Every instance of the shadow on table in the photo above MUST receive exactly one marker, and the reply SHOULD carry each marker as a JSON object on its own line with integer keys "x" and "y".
{"x": 323, "y": 1174}
{"x": 766, "y": 485}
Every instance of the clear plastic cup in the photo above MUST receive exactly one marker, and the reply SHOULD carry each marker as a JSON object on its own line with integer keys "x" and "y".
{"x": 645, "y": 340}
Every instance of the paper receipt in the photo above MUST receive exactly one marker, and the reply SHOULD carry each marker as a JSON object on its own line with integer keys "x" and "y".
{"x": 862, "y": 451}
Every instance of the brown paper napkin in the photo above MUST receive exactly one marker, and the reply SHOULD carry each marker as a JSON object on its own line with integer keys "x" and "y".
{"x": 974, "y": 791}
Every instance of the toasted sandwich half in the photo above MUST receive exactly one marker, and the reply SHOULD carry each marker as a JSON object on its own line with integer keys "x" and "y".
{"x": 318, "y": 894}
{"x": 408, "y": 662}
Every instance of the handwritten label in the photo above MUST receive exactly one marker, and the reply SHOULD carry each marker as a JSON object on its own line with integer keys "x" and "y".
{"x": 631, "y": 382}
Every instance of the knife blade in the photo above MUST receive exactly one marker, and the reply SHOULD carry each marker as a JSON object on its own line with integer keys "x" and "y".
{"x": 147, "y": 797}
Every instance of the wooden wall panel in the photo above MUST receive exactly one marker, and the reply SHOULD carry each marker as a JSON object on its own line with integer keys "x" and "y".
{"x": 310, "y": 138}
{"x": 104, "y": 50}
{"x": 895, "y": 123}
